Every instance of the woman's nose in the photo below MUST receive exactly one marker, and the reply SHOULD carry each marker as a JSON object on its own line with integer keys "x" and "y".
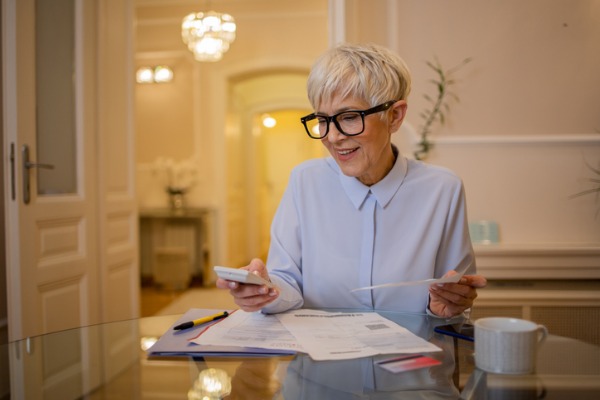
{"x": 334, "y": 134}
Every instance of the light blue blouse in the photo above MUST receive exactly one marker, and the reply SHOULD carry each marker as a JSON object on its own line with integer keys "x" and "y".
{"x": 332, "y": 234}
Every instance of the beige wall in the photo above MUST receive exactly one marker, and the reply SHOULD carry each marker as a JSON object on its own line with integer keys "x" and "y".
{"x": 207, "y": 111}
{"x": 183, "y": 119}
{"x": 534, "y": 68}
{"x": 528, "y": 118}
{"x": 526, "y": 123}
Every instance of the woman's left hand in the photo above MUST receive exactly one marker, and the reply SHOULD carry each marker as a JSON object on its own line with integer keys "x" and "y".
{"x": 451, "y": 299}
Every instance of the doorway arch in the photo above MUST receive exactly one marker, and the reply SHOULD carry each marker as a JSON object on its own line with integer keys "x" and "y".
{"x": 261, "y": 158}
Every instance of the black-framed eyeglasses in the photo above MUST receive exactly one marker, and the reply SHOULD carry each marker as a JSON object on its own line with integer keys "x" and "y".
{"x": 348, "y": 123}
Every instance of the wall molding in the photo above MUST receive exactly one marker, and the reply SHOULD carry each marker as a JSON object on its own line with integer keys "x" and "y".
{"x": 151, "y": 55}
{"x": 544, "y": 261}
{"x": 575, "y": 139}
{"x": 408, "y": 137}
{"x": 337, "y": 22}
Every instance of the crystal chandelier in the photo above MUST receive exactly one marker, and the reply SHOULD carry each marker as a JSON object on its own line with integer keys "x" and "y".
{"x": 208, "y": 34}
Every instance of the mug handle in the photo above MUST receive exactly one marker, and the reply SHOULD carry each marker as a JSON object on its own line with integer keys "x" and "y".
{"x": 542, "y": 333}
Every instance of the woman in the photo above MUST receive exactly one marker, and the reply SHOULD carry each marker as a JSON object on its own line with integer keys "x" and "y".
{"x": 366, "y": 215}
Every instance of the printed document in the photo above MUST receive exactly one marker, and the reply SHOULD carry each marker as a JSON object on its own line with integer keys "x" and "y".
{"x": 340, "y": 336}
{"x": 245, "y": 329}
{"x": 323, "y": 335}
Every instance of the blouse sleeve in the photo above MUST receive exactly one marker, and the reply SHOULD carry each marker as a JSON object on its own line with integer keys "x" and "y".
{"x": 456, "y": 251}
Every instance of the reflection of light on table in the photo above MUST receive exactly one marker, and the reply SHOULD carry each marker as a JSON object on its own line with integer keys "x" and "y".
{"x": 212, "y": 383}
{"x": 147, "y": 341}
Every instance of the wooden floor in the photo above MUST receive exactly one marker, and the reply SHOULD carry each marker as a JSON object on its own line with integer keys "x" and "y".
{"x": 153, "y": 298}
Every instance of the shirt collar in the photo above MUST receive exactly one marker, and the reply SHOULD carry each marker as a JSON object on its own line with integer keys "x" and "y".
{"x": 383, "y": 190}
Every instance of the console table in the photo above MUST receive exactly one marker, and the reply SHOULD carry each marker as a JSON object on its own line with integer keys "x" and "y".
{"x": 181, "y": 241}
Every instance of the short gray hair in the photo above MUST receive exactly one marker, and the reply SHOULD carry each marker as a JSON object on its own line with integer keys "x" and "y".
{"x": 369, "y": 72}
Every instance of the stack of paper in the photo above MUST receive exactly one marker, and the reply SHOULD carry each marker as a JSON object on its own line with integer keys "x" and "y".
{"x": 323, "y": 335}
{"x": 181, "y": 343}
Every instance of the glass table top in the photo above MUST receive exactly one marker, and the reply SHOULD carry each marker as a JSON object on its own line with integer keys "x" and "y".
{"x": 109, "y": 361}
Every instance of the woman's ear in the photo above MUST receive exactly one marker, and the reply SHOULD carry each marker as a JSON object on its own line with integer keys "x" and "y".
{"x": 397, "y": 114}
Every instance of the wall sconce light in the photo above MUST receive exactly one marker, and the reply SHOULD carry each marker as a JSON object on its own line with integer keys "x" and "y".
{"x": 268, "y": 121}
{"x": 158, "y": 74}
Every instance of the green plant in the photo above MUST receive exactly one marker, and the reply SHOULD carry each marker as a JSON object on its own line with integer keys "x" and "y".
{"x": 439, "y": 106}
{"x": 595, "y": 189}
{"x": 596, "y": 181}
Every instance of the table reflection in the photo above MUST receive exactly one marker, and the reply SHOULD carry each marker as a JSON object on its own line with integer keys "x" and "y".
{"x": 300, "y": 377}
{"x": 362, "y": 378}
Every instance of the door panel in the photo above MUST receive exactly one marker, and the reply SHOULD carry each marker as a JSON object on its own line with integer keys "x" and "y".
{"x": 56, "y": 227}
{"x": 71, "y": 249}
{"x": 56, "y": 131}
{"x": 52, "y": 241}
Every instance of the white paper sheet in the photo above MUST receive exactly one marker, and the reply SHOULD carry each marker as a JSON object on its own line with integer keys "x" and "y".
{"x": 246, "y": 329}
{"x": 179, "y": 342}
{"x": 340, "y": 336}
{"x": 445, "y": 279}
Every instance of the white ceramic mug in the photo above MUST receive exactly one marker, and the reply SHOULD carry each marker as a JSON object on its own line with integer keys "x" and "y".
{"x": 507, "y": 345}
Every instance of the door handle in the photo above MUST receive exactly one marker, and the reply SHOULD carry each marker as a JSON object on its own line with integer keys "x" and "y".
{"x": 27, "y": 165}
{"x": 38, "y": 165}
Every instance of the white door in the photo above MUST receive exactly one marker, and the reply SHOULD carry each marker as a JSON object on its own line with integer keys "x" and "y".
{"x": 52, "y": 253}
{"x": 52, "y": 232}
{"x": 70, "y": 227}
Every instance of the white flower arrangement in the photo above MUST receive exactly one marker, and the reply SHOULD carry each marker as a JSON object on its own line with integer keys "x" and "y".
{"x": 177, "y": 177}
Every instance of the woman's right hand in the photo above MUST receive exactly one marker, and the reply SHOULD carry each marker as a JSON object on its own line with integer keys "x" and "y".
{"x": 250, "y": 297}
